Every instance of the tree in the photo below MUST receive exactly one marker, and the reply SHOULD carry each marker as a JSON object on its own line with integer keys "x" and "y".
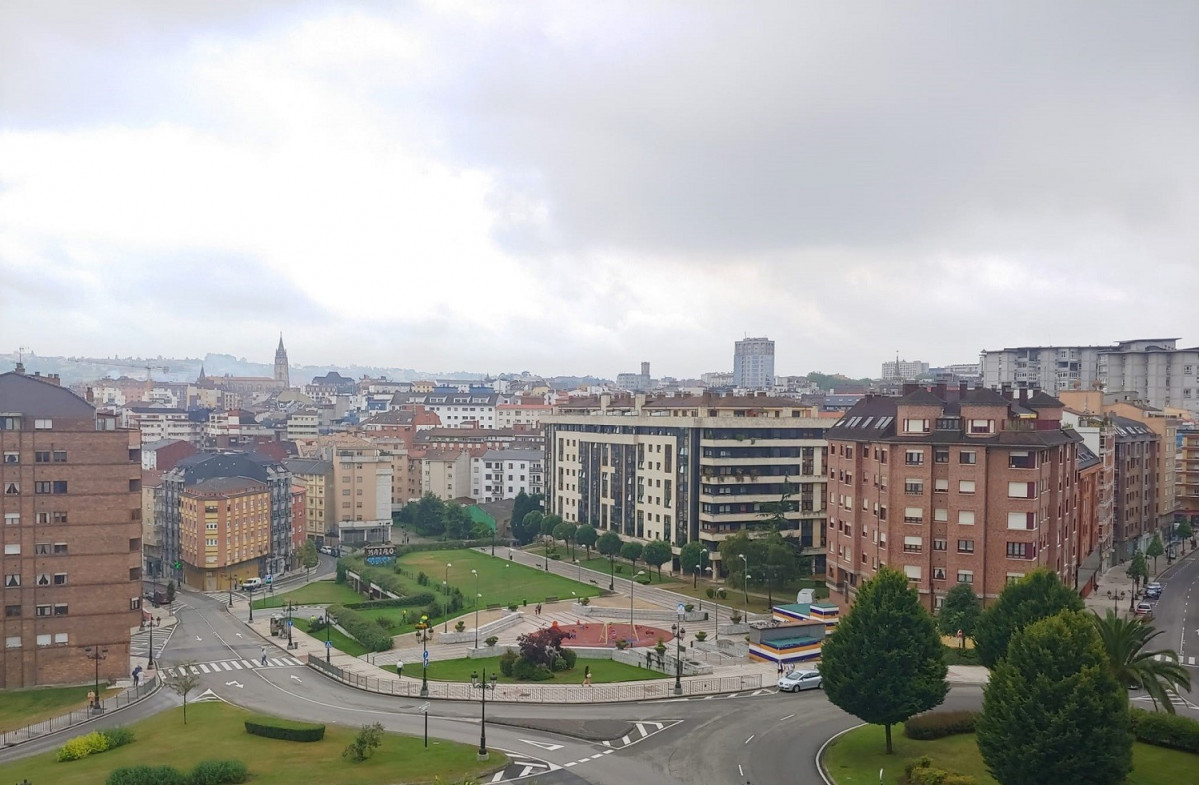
{"x": 183, "y": 680}
{"x": 170, "y": 592}
{"x": 543, "y": 646}
{"x": 586, "y": 535}
{"x": 883, "y": 664}
{"x": 632, "y": 551}
{"x": 1053, "y": 711}
{"x": 656, "y": 553}
{"x": 528, "y": 528}
{"x": 1036, "y": 596}
{"x": 1125, "y": 642}
{"x": 960, "y": 611}
{"x": 457, "y": 521}
{"x": 365, "y": 742}
{"x": 429, "y": 517}
{"x": 1138, "y": 569}
{"x": 548, "y": 524}
{"x": 565, "y": 531}
{"x": 774, "y": 514}
{"x": 1184, "y": 532}
{"x": 1154, "y": 550}
{"x": 309, "y": 557}
{"x": 609, "y": 544}
{"x": 522, "y": 505}
{"x": 693, "y": 558}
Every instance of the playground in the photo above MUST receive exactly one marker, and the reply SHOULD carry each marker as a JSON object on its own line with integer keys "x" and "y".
{"x": 604, "y": 634}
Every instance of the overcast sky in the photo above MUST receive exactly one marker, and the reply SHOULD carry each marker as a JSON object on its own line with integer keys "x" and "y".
{"x": 575, "y": 187}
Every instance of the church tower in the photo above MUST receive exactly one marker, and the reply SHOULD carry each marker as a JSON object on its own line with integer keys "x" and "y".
{"x": 282, "y": 376}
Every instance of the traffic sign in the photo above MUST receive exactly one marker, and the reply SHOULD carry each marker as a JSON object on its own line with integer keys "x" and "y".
{"x": 328, "y": 644}
{"x": 268, "y": 578}
{"x": 291, "y": 623}
{"x": 425, "y": 656}
{"x": 682, "y": 609}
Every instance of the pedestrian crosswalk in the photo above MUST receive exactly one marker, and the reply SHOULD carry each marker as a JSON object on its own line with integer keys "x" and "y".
{"x": 228, "y": 666}
{"x": 1181, "y": 660}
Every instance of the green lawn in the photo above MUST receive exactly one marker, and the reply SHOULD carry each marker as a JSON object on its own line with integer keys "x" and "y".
{"x": 623, "y": 568}
{"x": 500, "y": 581}
{"x": 315, "y": 593}
{"x": 19, "y": 708}
{"x": 856, "y": 757}
{"x": 341, "y": 641}
{"x": 602, "y": 671}
{"x": 215, "y": 731}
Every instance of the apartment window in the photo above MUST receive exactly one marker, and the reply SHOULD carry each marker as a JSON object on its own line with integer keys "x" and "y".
{"x": 940, "y": 455}
{"x": 12, "y": 580}
{"x": 12, "y": 642}
{"x": 966, "y": 486}
{"x": 965, "y": 546}
{"x": 939, "y": 575}
{"x": 10, "y": 423}
{"x": 940, "y": 486}
{"x": 58, "y": 517}
{"x": 940, "y": 514}
{"x": 912, "y": 571}
{"x": 60, "y": 548}
{"x": 43, "y": 487}
{"x": 966, "y": 517}
{"x": 44, "y": 610}
{"x": 915, "y": 426}
{"x": 12, "y": 549}
{"x": 1021, "y": 550}
{"x": 43, "y": 425}
{"x": 12, "y": 457}
{"x": 914, "y": 457}
{"x": 939, "y": 544}
{"x": 1022, "y": 520}
{"x": 982, "y": 426}
{"x": 1022, "y": 459}
{"x": 913, "y": 487}
{"x": 41, "y": 456}
{"x": 1014, "y": 577}
{"x": 60, "y": 610}
{"x": 1022, "y": 490}
{"x": 967, "y": 457}
{"x": 44, "y": 640}
{"x": 913, "y": 544}
{"x": 60, "y": 579}
{"x": 913, "y": 515}
{"x": 12, "y": 489}
{"x": 965, "y": 576}
{"x": 12, "y": 519}
{"x": 210, "y": 542}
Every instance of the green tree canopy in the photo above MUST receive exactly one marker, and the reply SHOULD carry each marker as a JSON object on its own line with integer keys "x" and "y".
{"x": 586, "y": 535}
{"x": 1036, "y": 596}
{"x": 527, "y": 528}
{"x": 1184, "y": 529}
{"x": 609, "y": 544}
{"x": 960, "y": 611}
{"x": 522, "y": 505}
{"x": 1126, "y": 644}
{"x": 883, "y": 664}
{"x": 457, "y": 521}
{"x": 309, "y": 557}
{"x": 1138, "y": 568}
{"x": 1155, "y": 549}
{"x": 1053, "y": 711}
{"x": 656, "y": 553}
{"x": 430, "y": 516}
{"x": 632, "y": 551}
{"x": 549, "y": 523}
{"x": 692, "y": 554}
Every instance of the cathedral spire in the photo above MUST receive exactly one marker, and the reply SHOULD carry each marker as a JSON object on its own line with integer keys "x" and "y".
{"x": 282, "y": 373}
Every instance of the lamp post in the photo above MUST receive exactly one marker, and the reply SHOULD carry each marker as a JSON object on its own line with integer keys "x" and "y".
{"x": 446, "y": 628}
{"x": 328, "y": 639}
{"x": 96, "y": 654}
{"x": 716, "y": 601}
{"x": 745, "y": 581}
{"x": 632, "y": 583}
{"x": 611, "y": 572}
{"x": 546, "y": 547}
{"x": 678, "y": 632}
{"x": 250, "y": 591}
{"x": 423, "y": 627}
{"x": 580, "y": 566}
{"x": 477, "y": 598}
{"x": 229, "y": 579}
{"x": 695, "y": 576}
{"x": 483, "y": 686}
{"x": 290, "y": 643}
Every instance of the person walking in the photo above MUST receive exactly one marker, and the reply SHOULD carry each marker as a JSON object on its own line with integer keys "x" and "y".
{"x": 399, "y": 667}
{"x": 263, "y": 655}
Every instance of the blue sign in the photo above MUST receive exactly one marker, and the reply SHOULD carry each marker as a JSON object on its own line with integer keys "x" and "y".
{"x": 425, "y": 656}
{"x": 268, "y": 578}
{"x": 290, "y": 623}
{"x": 328, "y": 644}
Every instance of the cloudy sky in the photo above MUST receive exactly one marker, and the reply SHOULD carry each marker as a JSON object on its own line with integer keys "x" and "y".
{"x": 575, "y": 187}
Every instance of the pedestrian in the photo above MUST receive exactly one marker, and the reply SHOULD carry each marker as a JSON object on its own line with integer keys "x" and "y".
{"x": 137, "y": 676}
{"x": 780, "y": 667}
{"x": 587, "y": 676}
{"x": 264, "y": 655}
{"x": 399, "y": 667}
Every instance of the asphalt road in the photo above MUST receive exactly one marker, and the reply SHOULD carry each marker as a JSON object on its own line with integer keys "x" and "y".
{"x": 1179, "y": 622}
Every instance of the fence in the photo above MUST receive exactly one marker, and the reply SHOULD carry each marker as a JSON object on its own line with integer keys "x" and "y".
{"x": 122, "y": 699}
{"x": 541, "y": 693}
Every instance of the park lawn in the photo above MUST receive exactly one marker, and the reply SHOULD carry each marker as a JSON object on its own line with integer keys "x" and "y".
{"x": 602, "y": 671}
{"x": 623, "y": 569}
{"x": 315, "y": 593}
{"x": 214, "y": 730}
{"x": 855, "y": 758}
{"x": 19, "y": 708}
{"x": 501, "y": 582}
{"x": 341, "y": 641}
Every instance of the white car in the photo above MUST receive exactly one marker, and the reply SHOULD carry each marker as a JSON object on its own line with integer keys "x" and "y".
{"x": 794, "y": 681}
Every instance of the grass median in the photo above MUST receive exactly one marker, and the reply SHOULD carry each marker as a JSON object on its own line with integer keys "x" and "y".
{"x": 500, "y": 581}
{"x": 315, "y": 593}
{"x": 602, "y": 671}
{"x": 215, "y": 731}
{"x": 19, "y": 708}
{"x": 856, "y": 757}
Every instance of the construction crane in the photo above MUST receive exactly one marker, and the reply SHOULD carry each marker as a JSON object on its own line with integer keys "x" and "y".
{"x": 149, "y": 369}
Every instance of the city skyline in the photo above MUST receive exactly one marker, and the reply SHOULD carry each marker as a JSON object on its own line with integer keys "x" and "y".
{"x": 572, "y": 189}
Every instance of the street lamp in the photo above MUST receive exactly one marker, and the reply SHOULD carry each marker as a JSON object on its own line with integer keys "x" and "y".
{"x": 695, "y": 576}
{"x": 745, "y": 581}
{"x": 446, "y": 583}
{"x": 422, "y": 627}
{"x": 250, "y": 591}
{"x": 290, "y": 644}
{"x": 580, "y": 566}
{"x": 678, "y": 632}
{"x": 483, "y": 686}
{"x": 328, "y": 639}
{"x": 477, "y": 598}
{"x": 716, "y": 601}
{"x": 229, "y": 579}
{"x": 96, "y": 654}
{"x": 632, "y": 583}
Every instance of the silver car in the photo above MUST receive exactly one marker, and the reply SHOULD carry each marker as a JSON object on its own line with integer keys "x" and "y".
{"x": 794, "y": 681}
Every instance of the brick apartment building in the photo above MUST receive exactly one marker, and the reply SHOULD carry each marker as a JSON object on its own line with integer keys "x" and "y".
{"x": 951, "y": 486}
{"x": 71, "y": 503}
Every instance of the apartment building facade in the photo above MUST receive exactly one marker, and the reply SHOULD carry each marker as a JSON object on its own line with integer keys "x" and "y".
{"x": 316, "y": 476}
{"x": 1188, "y": 475}
{"x": 951, "y": 487}
{"x": 1164, "y": 375}
{"x": 502, "y": 474}
{"x": 70, "y": 499}
{"x": 753, "y": 364}
{"x": 686, "y": 469}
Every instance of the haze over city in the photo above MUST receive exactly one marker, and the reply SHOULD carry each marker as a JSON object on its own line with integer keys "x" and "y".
{"x": 575, "y": 188}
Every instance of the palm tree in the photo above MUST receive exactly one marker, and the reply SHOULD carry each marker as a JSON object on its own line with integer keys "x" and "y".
{"x": 1126, "y": 641}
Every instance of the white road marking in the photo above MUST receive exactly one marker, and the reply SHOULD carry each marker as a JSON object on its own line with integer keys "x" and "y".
{"x": 545, "y": 745}
{"x": 789, "y": 716}
{"x": 751, "y": 738}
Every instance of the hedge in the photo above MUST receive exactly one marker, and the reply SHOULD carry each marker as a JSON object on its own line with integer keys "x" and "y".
{"x": 922, "y": 772}
{"x": 421, "y": 598}
{"x": 219, "y": 772}
{"x": 361, "y": 628}
{"x": 1166, "y": 730}
{"x": 939, "y": 724}
{"x": 288, "y": 730}
{"x": 146, "y": 775}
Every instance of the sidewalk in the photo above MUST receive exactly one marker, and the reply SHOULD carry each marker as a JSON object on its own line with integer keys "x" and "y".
{"x": 1114, "y": 589}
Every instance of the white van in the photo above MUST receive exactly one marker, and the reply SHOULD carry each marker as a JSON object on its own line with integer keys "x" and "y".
{"x": 251, "y": 584}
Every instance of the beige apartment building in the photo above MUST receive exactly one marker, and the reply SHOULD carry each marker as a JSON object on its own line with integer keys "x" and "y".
{"x": 445, "y": 473}
{"x": 688, "y": 468}
{"x": 358, "y": 503}
{"x": 316, "y": 476}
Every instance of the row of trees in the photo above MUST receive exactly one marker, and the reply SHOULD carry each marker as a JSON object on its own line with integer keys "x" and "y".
{"x": 1056, "y": 707}
{"x": 434, "y": 517}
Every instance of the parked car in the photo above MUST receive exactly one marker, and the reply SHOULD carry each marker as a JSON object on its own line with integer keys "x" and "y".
{"x": 1153, "y": 590}
{"x": 1144, "y": 610}
{"x": 795, "y": 681}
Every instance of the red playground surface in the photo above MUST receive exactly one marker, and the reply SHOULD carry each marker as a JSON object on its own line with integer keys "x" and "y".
{"x": 602, "y": 634}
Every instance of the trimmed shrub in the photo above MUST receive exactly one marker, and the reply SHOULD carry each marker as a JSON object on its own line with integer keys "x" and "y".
{"x": 80, "y": 747}
{"x": 219, "y": 772}
{"x": 939, "y": 724}
{"x": 570, "y": 656}
{"x": 459, "y": 625}
{"x": 541, "y": 673}
{"x": 492, "y": 640}
{"x": 508, "y": 663}
{"x": 1166, "y": 730}
{"x": 710, "y": 592}
{"x": 288, "y": 730}
{"x": 117, "y": 737}
{"x": 522, "y": 669}
{"x": 146, "y": 775}
{"x": 922, "y": 772}
{"x": 701, "y": 635}
{"x": 513, "y": 607}
{"x": 420, "y": 598}
{"x": 361, "y": 628}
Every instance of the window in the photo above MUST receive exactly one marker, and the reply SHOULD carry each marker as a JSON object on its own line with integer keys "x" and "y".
{"x": 58, "y": 517}
{"x": 1022, "y": 520}
{"x": 965, "y": 546}
{"x": 913, "y": 487}
{"x": 60, "y": 639}
{"x": 44, "y": 640}
{"x": 939, "y": 575}
{"x": 10, "y": 423}
{"x": 12, "y": 519}
{"x": 1021, "y": 550}
{"x": 967, "y": 457}
{"x": 1014, "y": 577}
{"x": 12, "y": 489}
{"x": 982, "y": 426}
{"x": 43, "y": 425}
{"x": 41, "y": 456}
{"x": 965, "y": 576}
{"x": 12, "y": 457}
{"x": 12, "y": 610}
{"x": 940, "y": 514}
{"x": 43, "y": 610}
{"x": 1021, "y": 459}
{"x": 1022, "y": 490}
{"x": 60, "y": 610}
{"x": 42, "y": 487}
{"x": 915, "y": 426}
{"x": 912, "y": 571}
{"x": 966, "y": 486}
{"x": 913, "y": 544}
{"x": 913, "y": 515}
{"x": 940, "y": 486}
{"x": 939, "y": 545}
{"x": 940, "y": 455}
{"x": 60, "y": 579}
{"x": 12, "y": 580}
{"x": 60, "y": 548}
{"x": 914, "y": 457}
{"x": 12, "y": 549}
{"x": 210, "y": 542}
{"x": 966, "y": 517}
{"x": 12, "y": 642}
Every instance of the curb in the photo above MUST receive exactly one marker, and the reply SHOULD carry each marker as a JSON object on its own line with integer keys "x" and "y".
{"x": 108, "y": 713}
{"x": 820, "y": 752}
